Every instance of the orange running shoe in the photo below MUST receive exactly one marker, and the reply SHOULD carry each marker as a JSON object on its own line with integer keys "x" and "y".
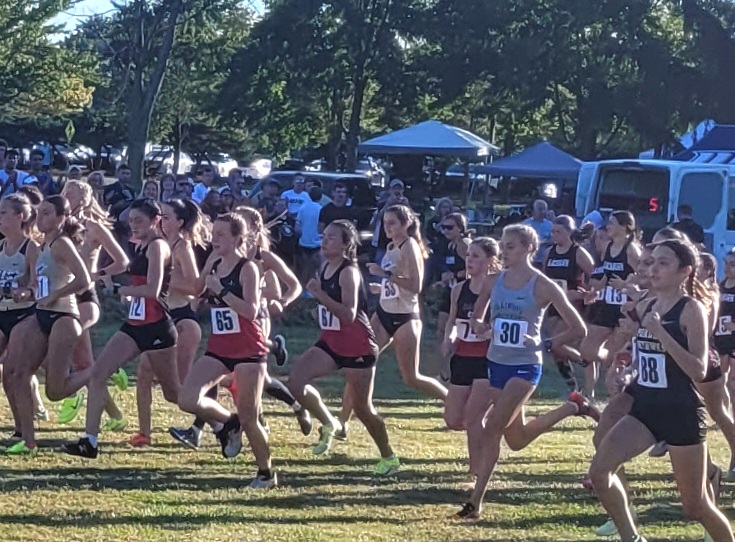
{"x": 139, "y": 440}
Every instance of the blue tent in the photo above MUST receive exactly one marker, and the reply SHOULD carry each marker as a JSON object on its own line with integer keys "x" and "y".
{"x": 716, "y": 147}
{"x": 542, "y": 160}
{"x": 430, "y": 138}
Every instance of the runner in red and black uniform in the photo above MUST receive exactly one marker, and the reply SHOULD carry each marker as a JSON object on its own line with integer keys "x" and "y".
{"x": 236, "y": 346}
{"x": 346, "y": 342}
{"x": 469, "y": 393}
{"x": 148, "y": 327}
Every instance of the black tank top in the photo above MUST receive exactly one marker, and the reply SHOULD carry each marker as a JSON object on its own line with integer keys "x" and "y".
{"x": 466, "y": 302}
{"x": 138, "y": 270}
{"x": 617, "y": 265}
{"x": 334, "y": 290}
{"x": 454, "y": 262}
{"x": 231, "y": 282}
{"x": 563, "y": 268}
{"x": 726, "y": 314}
{"x": 661, "y": 382}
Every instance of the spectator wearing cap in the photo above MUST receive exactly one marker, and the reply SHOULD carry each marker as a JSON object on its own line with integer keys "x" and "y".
{"x": 202, "y": 188}
{"x": 74, "y": 173}
{"x": 310, "y": 241}
{"x": 687, "y": 225}
{"x": 324, "y": 200}
{"x": 542, "y": 225}
{"x": 226, "y": 199}
{"x": 184, "y": 187}
{"x": 297, "y": 196}
{"x": 10, "y": 177}
{"x": 265, "y": 200}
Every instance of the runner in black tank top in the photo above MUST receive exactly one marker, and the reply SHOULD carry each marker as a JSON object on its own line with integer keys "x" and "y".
{"x": 671, "y": 350}
{"x": 569, "y": 266}
{"x": 346, "y": 342}
{"x": 619, "y": 261}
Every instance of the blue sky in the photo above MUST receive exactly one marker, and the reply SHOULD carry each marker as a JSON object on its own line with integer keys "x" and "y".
{"x": 85, "y": 8}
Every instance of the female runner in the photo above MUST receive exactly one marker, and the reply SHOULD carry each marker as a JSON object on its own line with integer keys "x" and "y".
{"x": 570, "y": 266}
{"x": 97, "y": 236}
{"x": 469, "y": 390}
{"x": 346, "y": 342}
{"x": 671, "y": 351}
{"x": 619, "y": 261}
{"x": 397, "y": 319}
{"x": 236, "y": 346}
{"x": 518, "y": 297}
{"x": 148, "y": 327}
{"x": 52, "y": 335}
{"x": 183, "y": 226}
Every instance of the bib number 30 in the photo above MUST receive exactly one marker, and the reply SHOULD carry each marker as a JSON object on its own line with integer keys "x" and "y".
{"x": 224, "y": 321}
{"x": 510, "y": 333}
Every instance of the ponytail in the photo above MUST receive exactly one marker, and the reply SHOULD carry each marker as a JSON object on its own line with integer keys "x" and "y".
{"x": 406, "y": 217}
{"x": 71, "y": 227}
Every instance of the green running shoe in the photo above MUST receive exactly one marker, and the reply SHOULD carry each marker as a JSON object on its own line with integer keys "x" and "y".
{"x": 70, "y": 407}
{"x": 326, "y": 432}
{"x": 120, "y": 379}
{"x": 20, "y": 448}
{"x": 387, "y": 466}
{"x": 114, "y": 425}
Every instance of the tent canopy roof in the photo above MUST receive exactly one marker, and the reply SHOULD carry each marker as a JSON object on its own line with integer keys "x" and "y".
{"x": 540, "y": 160}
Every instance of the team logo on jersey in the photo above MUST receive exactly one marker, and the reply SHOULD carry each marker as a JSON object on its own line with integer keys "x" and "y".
{"x": 558, "y": 263}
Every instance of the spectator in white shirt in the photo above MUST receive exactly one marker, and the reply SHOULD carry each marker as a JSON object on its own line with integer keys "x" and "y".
{"x": 297, "y": 196}
{"x": 310, "y": 241}
{"x": 201, "y": 189}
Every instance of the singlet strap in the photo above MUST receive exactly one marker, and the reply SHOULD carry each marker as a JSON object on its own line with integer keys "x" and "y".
{"x": 23, "y": 247}
{"x": 176, "y": 243}
{"x": 404, "y": 242}
{"x": 323, "y": 276}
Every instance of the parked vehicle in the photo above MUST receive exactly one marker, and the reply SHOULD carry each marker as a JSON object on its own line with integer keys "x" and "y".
{"x": 372, "y": 171}
{"x": 161, "y": 159}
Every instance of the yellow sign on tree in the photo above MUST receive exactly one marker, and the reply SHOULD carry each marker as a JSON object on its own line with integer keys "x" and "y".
{"x": 69, "y": 131}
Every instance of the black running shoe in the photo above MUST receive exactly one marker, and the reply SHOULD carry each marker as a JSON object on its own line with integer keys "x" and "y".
{"x": 304, "y": 418}
{"x": 188, "y": 437}
{"x": 341, "y": 433}
{"x": 230, "y": 437}
{"x": 279, "y": 350}
{"x": 468, "y": 512}
{"x": 83, "y": 448}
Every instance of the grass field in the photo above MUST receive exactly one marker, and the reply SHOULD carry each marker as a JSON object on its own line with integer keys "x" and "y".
{"x": 167, "y": 492}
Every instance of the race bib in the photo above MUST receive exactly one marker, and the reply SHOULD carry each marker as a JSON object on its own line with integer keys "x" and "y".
{"x": 510, "y": 333}
{"x": 327, "y": 321}
{"x": 465, "y": 333}
{"x": 388, "y": 290}
{"x": 652, "y": 370}
{"x": 224, "y": 321}
{"x": 561, "y": 283}
{"x": 722, "y": 321}
{"x": 615, "y": 297}
{"x": 137, "y": 309}
{"x": 41, "y": 286}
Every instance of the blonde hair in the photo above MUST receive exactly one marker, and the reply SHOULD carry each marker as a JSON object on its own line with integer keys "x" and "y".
{"x": 526, "y": 235}
{"x": 256, "y": 227}
{"x": 490, "y": 247}
{"x": 90, "y": 209}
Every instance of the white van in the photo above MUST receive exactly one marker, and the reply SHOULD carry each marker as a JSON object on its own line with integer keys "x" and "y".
{"x": 653, "y": 189}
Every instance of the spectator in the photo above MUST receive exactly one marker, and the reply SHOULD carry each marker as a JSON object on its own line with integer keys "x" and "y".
{"x": 118, "y": 195}
{"x": 687, "y": 225}
{"x": 436, "y": 240}
{"x": 44, "y": 179}
{"x": 168, "y": 186}
{"x": 10, "y": 177}
{"x": 184, "y": 187}
{"x": 296, "y": 197}
{"x": 542, "y": 225}
{"x": 393, "y": 196}
{"x": 310, "y": 241}
{"x": 201, "y": 189}
{"x": 3, "y": 153}
{"x": 283, "y": 233}
{"x": 150, "y": 190}
{"x": 96, "y": 180}
{"x": 337, "y": 209}
{"x": 324, "y": 200}
{"x": 226, "y": 199}
{"x": 265, "y": 200}
{"x": 74, "y": 174}
{"x": 237, "y": 185}
{"x": 211, "y": 204}
{"x": 432, "y": 231}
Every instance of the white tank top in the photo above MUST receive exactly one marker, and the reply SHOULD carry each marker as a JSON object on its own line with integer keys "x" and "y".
{"x": 393, "y": 298}
{"x": 11, "y": 268}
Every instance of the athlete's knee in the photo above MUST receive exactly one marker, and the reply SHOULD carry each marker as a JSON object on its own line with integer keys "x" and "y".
{"x": 454, "y": 419}
{"x": 599, "y": 475}
{"x": 54, "y": 390}
{"x": 411, "y": 378}
{"x": 171, "y": 394}
{"x": 188, "y": 400}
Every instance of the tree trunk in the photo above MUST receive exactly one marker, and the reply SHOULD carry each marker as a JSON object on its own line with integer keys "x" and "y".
{"x": 177, "y": 145}
{"x": 353, "y": 131}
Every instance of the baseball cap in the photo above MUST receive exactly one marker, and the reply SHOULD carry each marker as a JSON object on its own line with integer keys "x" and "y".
{"x": 224, "y": 189}
{"x": 397, "y": 182}
{"x": 595, "y": 218}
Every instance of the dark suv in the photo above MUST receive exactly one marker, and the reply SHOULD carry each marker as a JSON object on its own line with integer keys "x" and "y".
{"x": 359, "y": 190}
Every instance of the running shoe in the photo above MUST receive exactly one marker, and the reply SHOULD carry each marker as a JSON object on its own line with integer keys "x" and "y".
{"x": 21, "y": 448}
{"x": 387, "y": 466}
{"x": 609, "y": 529}
{"x": 139, "y": 440}
{"x": 83, "y": 448}
{"x": 304, "y": 419}
{"x": 15, "y": 435}
{"x": 230, "y": 437}
{"x": 120, "y": 379}
{"x": 659, "y": 449}
{"x": 341, "y": 434}
{"x": 279, "y": 350}
{"x": 70, "y": 408}
{"x": 584, "y": 406}
{"x": 467, "y": 513}
{"x": 326, "y": 432}
{"x": 114, "y": 425}
{"x": 264, "y": 423}
{"x": 261, "y": 481}
{"x": 41, "y": 414}
{"x": 188, "y": 437}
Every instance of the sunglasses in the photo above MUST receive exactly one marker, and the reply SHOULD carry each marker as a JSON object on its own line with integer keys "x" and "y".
{"x": 447, "y": 227}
